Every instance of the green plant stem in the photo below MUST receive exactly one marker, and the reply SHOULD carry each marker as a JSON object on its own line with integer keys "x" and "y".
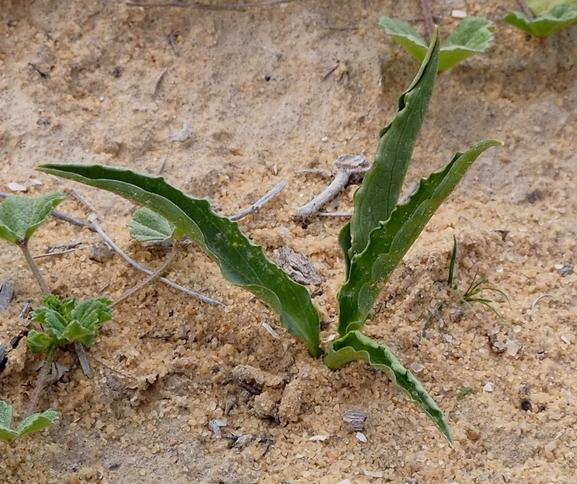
{"x": 42, "y": 377}
{"x": 33, "y": 267}
{"x": 155, "y": 275}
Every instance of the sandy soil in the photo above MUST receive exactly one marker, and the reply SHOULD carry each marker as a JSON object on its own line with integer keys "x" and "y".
{"x": 248, "y": 88}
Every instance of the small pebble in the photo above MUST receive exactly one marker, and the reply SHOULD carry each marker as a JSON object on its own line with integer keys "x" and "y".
{"x": 489, "y": 387}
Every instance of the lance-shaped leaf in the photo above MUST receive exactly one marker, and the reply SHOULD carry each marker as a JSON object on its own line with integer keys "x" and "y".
{"x": 148, "y": 226}
{"x": 356, "y": 346}
{"x": 546, "y": 24}
{"x": 376, "y": 198}
{"x": 21, "y": 216}
{"x": 241, "y": 262}
{"x": 392, "y": 239}
{"x": 472, "y": 36}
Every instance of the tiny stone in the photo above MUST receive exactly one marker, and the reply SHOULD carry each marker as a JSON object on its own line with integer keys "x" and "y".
{"x": 458, "y": 14}
{"x": 417, "y": 367}
{"x": 489, "y": 387}
{"x": 17, "y": 187}
{"x": 356, "y": 418}
{"x": 360, "y": 436}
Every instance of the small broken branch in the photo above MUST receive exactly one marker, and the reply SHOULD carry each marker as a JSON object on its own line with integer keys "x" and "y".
{"x": 257, "y": 206}
{"x": 345, "y": 167}
{"x": 108, "y": 240}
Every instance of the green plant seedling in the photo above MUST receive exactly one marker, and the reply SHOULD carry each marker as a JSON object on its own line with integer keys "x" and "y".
{"x": 67, "y": 321}
{"x": 20, "y": 217}
{"x": 379, "y": 234}
{"x": 475, "y": 288}
{"x": 33, "y": 423}
{"x": 472, "y": 36}
{"x": 550, "y": 17}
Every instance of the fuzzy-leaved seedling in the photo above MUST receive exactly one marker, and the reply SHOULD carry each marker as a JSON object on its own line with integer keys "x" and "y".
{"x": 550, "y": 16}
{"x": 374, "y": 242}
{"x": 20, "y": 217}
{"x": 33, "y": 423}
{"x": 67, "y": 321}
{"x": 472, "y": 36}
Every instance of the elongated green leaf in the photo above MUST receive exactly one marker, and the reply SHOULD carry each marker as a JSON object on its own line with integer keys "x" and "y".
{"x": 37, "y": 421}
{"x": 393, "y": 238}
{"x": 376, "y": 198}
{"x": 472, "y": 36}
{"x": 558, "y": 17}
{"x": 21, "y": 216}
{"x": 356, "y": 346}
{"x": 403, "y": 34}
{"x": 241, "y": 262}
{"x": 148, "y": 226}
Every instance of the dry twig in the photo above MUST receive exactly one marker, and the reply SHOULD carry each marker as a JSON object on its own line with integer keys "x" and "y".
{"x": 256, "y": 207}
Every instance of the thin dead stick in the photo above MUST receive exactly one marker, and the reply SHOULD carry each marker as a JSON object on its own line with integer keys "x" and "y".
{"x": 50, "y": 254}
{"x": 204, "y": 6}
{"x": 158, "y": 82}
{"x": 60, "y": 215}
{"x": 257, "y": 206}
{"x": 172, "y": 41}
{"x": 428, "y": 18}
{"x": 539, "y": 298}
{"x": 82, "y": 200}
{"x": 136, "y": 265}
{"x": 81, "y": 353}
{"x": 526, "y": 9}
{"x": 150, "y": 278}
{"x": 108, "y": 367}
{"x": 345, "y": 166}
{"x": 42, "y": 377}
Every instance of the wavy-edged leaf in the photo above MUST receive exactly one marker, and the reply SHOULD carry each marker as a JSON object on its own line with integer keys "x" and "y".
{"x": 558, "y": 17}
{"x": 76, "y": 332}
{"x": 20, "y": 216}
{"x": 37, "y": 421}
{"x": 39, "y": 342}
{"x": 93, "y": 312}
{"x": 241, "y": 262}
{"x": 403, "y": 34}
{"x": 392, "y": 239}
{"x": 148, "y": 226}
{"x": 472, "y": 36}
{"x": 55, "y": 323}
{"x": 355, "y": 346}
{"x": 376, "y": 198}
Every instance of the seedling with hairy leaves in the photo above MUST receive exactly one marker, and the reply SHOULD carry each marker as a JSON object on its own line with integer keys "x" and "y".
{"x": 33, "y": 423}
{"x": 549, "y": 16}
{"x": 375, "y": 240}
{"x": 472, "y": 36}
{"x": 20, "y": 217}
